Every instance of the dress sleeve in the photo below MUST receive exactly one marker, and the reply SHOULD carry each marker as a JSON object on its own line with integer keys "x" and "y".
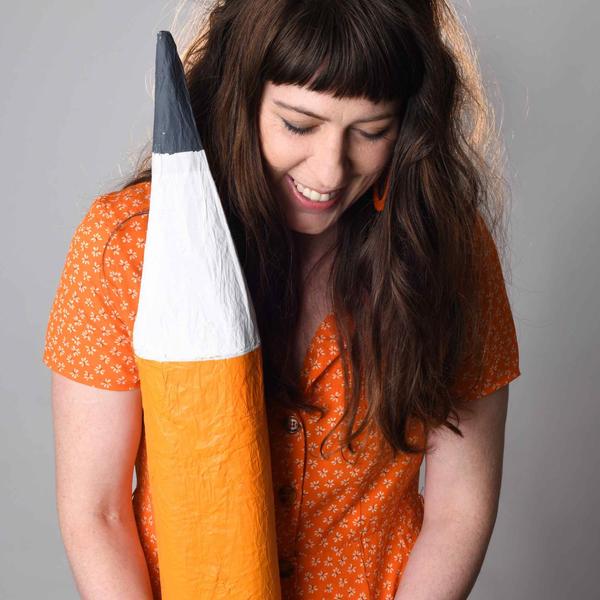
{"x": 88, "y": 335}
{"x": 500, "y": 360}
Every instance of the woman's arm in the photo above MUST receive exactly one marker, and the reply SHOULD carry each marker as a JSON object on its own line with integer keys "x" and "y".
{"x": 97, "y": 433}
{"x": 462, "y": 488}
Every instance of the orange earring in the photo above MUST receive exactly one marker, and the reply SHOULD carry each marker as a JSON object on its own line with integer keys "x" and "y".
{"x": 379, "y": 201}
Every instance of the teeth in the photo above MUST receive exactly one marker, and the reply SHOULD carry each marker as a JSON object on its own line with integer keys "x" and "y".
{"x": 311, "y": 194}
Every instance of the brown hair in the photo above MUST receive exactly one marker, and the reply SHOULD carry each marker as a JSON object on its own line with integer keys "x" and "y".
{"x": 403, "y": 281}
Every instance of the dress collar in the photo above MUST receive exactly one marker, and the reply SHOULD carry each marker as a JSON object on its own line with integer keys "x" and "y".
{"x": 322, "y": 351}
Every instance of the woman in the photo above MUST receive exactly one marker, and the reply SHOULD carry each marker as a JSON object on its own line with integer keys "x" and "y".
{"x": 354, "y": 152}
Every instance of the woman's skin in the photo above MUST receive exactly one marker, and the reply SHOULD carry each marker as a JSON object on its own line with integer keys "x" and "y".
{"x": 335, "y": 153}
{"x": 463, "y": 475}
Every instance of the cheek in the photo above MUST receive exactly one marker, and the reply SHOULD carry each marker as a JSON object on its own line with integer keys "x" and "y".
{"x": 377, "y": 159}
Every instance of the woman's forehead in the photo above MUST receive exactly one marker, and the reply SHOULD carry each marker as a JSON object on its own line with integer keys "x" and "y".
{"x": 324, "y": 105}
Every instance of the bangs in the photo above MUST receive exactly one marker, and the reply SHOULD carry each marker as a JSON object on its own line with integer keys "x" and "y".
{"x": 345, "y": 48}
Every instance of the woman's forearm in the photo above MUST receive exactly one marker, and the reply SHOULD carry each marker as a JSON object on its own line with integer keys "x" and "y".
{"x": 106, "y": 557}
{"x": 446, "y": 559}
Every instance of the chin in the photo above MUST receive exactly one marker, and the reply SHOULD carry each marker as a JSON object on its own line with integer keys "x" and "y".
{"x": 301, "y": 226}
{"x": 307, "y": 230}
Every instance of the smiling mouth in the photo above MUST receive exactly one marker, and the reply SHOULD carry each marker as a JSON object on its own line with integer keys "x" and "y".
{"x": 332, "y": 194}
{"x": 310, "y": 203}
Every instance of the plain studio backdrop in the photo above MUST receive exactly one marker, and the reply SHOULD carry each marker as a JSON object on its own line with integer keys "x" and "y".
{"x": 76, "y": 106}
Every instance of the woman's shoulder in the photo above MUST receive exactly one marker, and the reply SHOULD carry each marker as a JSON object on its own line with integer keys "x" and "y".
{"x": 106, "y": 252}
{"x": 112, "y": 234}
{"x": 89, "y": 330}
{"x": 114, "y": 210}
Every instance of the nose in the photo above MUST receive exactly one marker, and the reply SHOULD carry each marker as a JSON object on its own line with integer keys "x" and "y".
{"x": 331, "y": 166}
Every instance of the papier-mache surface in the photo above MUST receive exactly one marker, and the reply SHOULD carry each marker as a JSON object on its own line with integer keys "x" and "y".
{"x": 198, "y": 354}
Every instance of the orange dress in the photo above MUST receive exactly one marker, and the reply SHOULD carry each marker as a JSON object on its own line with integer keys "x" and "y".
{"x": 345, "y": 524}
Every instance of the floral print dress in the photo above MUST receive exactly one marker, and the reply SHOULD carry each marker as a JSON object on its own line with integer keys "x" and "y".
{"x": 345, "y": 523}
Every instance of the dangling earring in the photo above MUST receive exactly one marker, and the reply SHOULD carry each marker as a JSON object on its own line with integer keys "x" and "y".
{"x": 379, "y": 200}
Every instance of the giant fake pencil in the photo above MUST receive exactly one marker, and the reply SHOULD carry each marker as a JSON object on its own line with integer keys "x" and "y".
{"x": 198, "y": 353}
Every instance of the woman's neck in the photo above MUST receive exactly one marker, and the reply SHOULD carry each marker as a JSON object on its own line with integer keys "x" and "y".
{"x": 311, "y": 247}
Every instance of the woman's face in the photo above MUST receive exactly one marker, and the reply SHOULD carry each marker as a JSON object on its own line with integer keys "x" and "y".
{"x": 345, "y": 146}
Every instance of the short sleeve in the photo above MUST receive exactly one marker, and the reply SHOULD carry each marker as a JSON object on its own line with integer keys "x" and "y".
{"x": 500, "y": 361}
{"x": 89, "y": 330}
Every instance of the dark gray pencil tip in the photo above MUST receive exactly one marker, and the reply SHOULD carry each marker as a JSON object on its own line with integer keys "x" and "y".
{"x": 174, "y": 126}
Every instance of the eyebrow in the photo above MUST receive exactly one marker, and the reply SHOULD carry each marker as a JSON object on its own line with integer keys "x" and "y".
{"x": 305, "y": 111}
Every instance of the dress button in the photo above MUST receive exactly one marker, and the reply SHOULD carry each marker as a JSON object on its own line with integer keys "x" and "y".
{"x": 292, "y": 424}
{"x": 286, "y": 568}
{"x": 286, "y": 494}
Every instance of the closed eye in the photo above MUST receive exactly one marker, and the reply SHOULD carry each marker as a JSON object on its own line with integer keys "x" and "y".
{"x": 305, "y": 130}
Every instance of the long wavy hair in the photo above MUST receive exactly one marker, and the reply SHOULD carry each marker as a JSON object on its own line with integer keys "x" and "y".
{"x": 403, "y": 282}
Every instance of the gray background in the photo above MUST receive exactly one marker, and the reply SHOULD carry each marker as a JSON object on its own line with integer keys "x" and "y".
{"x": 75, "y": 107}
